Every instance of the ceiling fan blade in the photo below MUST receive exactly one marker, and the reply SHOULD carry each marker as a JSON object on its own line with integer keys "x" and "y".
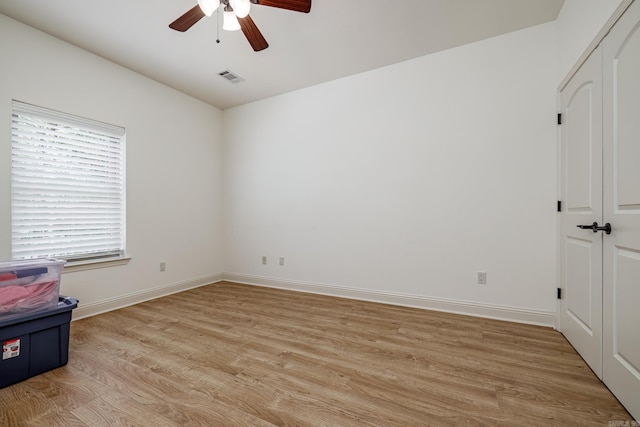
{"x": 253, "y": 34}
{"x": 187, "y": 20}
{"x": 295, "y": 5}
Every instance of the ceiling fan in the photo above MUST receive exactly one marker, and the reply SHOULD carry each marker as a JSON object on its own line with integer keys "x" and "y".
{"x": 236, "y": 16}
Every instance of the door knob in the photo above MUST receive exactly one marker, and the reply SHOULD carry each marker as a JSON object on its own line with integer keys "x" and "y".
{"x": 606, "y": 228}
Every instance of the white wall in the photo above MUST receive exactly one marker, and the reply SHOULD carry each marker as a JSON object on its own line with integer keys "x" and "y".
{"x": 404, "y": 181}
{"x": 173, "y": 164}
{"x": 578, "y": 23}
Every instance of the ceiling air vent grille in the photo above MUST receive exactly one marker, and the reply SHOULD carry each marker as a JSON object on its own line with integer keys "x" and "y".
{"x": 233, "y": 78}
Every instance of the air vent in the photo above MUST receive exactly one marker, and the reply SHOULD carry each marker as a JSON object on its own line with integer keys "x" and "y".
{"x": 233, "y": 78}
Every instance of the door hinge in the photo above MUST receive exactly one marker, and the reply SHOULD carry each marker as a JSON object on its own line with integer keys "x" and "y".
{"x": 559, "y": 293}
{"x": 559, "y": 118}
{"x": 559, "y": 208}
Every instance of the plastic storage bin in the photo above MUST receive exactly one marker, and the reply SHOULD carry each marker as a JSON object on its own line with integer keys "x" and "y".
{"x": 28, "y": 286}
{"x": 35, "y": 343}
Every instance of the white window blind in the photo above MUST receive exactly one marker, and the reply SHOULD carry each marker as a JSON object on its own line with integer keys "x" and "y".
{"x": 67, "y": 186}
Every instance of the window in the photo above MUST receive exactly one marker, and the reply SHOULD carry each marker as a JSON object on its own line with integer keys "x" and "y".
{"x": 67, "y": 186}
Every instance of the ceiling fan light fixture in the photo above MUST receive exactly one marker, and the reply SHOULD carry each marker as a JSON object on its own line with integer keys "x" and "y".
{"x": 241, "y": 7}
{"x": 230, "y": 20}
{"x": 208, "y": 6}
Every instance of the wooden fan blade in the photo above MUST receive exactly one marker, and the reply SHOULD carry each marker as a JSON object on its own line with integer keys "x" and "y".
{"x": 253, "y": 34}
{"x": 295, "y": 5}
{"x": 187, "y": 20}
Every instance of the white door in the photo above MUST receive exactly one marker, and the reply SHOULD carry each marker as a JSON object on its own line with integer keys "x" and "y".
{"x": 581, "y": 187}
{"x": 621, "y": 258}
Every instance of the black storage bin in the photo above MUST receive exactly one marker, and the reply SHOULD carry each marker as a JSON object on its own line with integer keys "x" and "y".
{"x": 35, "y": 343}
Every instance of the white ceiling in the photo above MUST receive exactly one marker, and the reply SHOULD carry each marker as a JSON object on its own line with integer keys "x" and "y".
{"x": 336, "y": 39}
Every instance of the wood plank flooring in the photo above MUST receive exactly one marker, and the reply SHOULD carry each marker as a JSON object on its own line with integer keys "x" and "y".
{"x": 236, "y": 355}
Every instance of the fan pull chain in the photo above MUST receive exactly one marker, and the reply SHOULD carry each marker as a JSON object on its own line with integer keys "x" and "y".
{"x": 218, "y": 25}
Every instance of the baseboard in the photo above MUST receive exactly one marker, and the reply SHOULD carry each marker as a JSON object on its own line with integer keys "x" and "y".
{"x": 91, "y": 309}
{"x": 511, "y": 314}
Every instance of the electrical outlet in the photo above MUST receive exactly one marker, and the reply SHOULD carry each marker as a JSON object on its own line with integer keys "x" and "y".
{"x": 281, "y": 260}
{"x": 482, "y": 277}
{"x": 163, "y": 266}
{"x": 264, "y": 260}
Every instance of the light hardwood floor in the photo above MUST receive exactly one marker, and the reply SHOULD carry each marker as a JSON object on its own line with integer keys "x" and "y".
{"x": 236, "y": 355}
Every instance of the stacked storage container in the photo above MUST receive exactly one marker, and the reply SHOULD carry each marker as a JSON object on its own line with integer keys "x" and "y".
{"x": 34, "y": 319}
{"x": 28, "y": 286}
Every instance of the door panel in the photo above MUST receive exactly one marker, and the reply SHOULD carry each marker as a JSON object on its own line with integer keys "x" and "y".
{"x": 621, "y": 180}
{"x": 579, "y": 283}
{"x": 626, "y": 91}
{"x": 627, "y": 295}
{"x": 578, "y": 128}
{"x": 581, "y": 175}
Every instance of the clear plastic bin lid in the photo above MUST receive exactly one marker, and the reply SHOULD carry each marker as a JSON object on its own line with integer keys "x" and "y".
{"x": 6, "y": 266}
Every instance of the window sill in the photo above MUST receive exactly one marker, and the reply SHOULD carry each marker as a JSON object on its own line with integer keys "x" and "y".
{"x": 94, "y": 264}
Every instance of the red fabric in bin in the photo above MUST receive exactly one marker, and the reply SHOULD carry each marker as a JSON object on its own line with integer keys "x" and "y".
{"x": 7, "y": 276}
{"x": 14, "y": 298}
